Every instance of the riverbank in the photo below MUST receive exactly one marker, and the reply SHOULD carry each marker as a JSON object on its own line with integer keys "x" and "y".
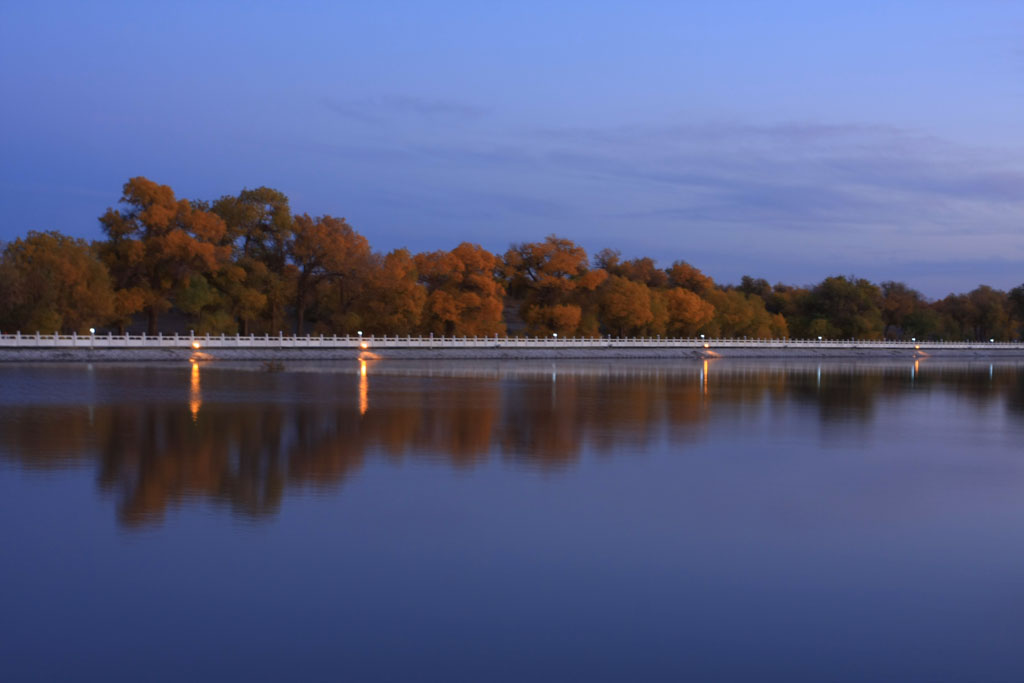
{"x": 108, "y": 355}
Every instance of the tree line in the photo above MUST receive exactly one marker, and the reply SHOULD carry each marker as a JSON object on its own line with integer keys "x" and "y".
{"x": 247, "y": 264}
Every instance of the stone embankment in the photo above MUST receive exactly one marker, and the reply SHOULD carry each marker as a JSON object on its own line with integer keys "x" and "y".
{"x": 107, "y": 348}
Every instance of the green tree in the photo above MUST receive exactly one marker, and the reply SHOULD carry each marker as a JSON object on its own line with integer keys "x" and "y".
{"x": 844, "y": 308}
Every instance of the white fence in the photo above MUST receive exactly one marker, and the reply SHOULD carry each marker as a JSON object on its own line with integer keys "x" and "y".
{"x": 112, "y": 341}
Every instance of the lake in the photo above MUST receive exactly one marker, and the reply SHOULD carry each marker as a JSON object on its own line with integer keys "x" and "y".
{"x": 511, "y": 521}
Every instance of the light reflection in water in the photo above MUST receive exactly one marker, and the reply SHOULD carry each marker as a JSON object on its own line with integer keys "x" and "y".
{"x": 195, "y": 397}
{"x": 364, "y": 388}
{"x": 704, "y": 377}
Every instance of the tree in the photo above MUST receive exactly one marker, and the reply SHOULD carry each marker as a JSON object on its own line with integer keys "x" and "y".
{"x": 981, "y": 314}
{"x": 53, "y": 283}
{"x": 463, "y": 295}
{"x": 157, "y": 244}
{"x": 259, "y": 228}
{"x": 687, "y": 312}
{"x": 742, "y": 315}
{"x": 325, "y": 250}
{"x": 682, "y": 274}
{"x": 625, "y": 306}
{"x": 840, "y": 307}
{"x": 393, "y": 299}
{"x": 554, "y": 284}
{"x": 900, "y": 303}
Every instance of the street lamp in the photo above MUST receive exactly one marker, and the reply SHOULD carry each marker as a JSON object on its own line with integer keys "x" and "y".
{"x": 92, "y": 330}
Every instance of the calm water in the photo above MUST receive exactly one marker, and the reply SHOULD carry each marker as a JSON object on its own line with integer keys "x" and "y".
{"x": 513, "y": 521}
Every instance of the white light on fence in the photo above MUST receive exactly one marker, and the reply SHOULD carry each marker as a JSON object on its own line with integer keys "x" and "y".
{"x": 92, "y": 330}
{"x": 555, "y": 335}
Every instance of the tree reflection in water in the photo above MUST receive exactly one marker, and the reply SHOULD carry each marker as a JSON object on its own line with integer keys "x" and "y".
{"x": 244, "y": 436}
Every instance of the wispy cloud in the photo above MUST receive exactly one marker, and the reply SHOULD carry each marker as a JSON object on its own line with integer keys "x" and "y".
{"x": 383, "y": 108}
{"x": 803, "y": 198}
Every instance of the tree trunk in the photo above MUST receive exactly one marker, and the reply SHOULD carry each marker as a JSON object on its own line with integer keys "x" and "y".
{"x": 300, "y": 310}
{"x": 152, "y": 321}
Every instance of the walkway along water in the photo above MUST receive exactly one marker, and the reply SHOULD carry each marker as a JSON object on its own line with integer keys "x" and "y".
{"x": 109, "y": 347}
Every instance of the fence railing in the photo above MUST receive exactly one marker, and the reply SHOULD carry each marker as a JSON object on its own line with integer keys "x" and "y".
{"x": 197, "y": 342}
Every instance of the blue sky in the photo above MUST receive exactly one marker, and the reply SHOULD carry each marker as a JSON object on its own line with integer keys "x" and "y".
{"x": 787, "y": 140}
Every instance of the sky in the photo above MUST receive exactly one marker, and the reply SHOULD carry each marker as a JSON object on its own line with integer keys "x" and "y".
{"x": 790, "y": 140}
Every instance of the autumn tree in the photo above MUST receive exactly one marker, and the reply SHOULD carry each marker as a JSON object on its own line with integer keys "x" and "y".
{"x": 392, "y": 299}
{"x": 625, "y": 306}
{"x": 53, "y": 283}
{"x": 554, "y": 284}
{"x": 642, "y": 270}
{"x": 737, "y": 314}
{"x": 682, "y": 274}
{"x": 156, "y": 244}
{"x": 326, "y": 251}
{"x": 686, "y": 312}
{"x": 463, "y": 295}
{"x": 259, "y": 228}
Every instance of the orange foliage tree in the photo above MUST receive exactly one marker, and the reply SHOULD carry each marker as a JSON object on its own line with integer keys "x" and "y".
{"x": 463, "y": 295}
{"x": 393, "y": 298}
{"x": 556, "y": 287}
{"x": 156, "y": 245}
{"x": 53, "y": 283}
{"x": 682, "y": 274}
{"x": 625, "y": 306}
{"x": 686, "y": 312}
{"x": 259, "y": 230}
{"x": 325, "y": 251}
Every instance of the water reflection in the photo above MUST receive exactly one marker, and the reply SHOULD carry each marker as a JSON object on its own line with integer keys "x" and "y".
{"x": 195, "y": 397}
{"x": 265, "y": 433}
{"x": 364, "y": 388}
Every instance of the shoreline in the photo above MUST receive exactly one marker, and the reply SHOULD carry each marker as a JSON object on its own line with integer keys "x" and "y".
{"x": 129, "y": 355}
